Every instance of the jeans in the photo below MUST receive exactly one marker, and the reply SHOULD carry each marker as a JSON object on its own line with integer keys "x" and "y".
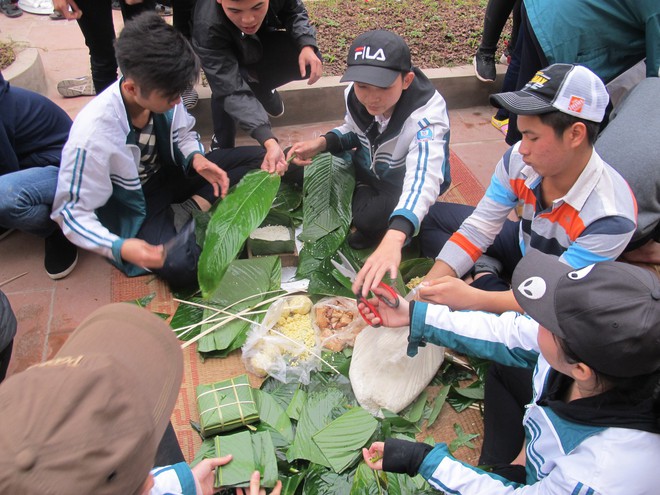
{"x": 26, "y": 199}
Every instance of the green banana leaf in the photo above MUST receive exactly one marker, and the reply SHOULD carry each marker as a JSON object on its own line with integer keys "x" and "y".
{"x": 438, "y": 402}
{"x": 245, "y": 284}
{"x": 327, "y": 217}
{"x": 342, "y": 440}
{"x": 291, "y": 483}
{"x": 242, "y": 465}
{"x": 414, "y": 411}
{"x": 242, "y": 211}
{"x": 185, "y": 315}
{"x": 283, "y": 393}
{"x": 273, "y": 414}
{"x": 416, "y": 267}
{"x": 327, "y": 192}
{"x": 250, "y": 451}
{"x": 320, "y": 409}
{"x": 322, "y": 481}
{"x": 264, "y": 455}
{"x": 368, "y": 482}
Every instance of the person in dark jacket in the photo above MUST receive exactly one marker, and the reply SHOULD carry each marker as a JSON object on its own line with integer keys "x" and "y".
{"x": 33, "y": 131}
{"x": 248, "y": 48}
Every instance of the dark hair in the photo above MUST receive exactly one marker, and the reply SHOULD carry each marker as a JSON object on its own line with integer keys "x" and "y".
{"x": 560, "y": 121}
{"x": 632, "y": 390}
{"x": 156, "y": 56}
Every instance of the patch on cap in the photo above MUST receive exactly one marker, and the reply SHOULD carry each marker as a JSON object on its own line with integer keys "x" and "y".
{"x": 533, "y": 288}
{"x": 576, "y": 104}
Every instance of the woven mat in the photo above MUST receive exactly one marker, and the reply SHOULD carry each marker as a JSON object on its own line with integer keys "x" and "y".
{"x": 465, "y": 189}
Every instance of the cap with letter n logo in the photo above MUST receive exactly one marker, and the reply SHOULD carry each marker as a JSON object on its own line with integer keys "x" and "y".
{"x": 377, "y": 58}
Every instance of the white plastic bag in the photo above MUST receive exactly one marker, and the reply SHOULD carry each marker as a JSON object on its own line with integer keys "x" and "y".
{"x": 267, "y": 352}
{"x": 383, "y": 376}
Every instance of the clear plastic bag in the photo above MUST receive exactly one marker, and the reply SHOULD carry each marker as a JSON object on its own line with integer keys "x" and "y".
{"x": 287, "y": 354}
{"x": 338, "y": 322}
{"x": 382, "y": 374}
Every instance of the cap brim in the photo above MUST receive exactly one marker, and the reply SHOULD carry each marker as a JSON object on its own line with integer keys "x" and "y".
{"x": 534, "y": 283}
{"x": 368, "y": 74}
{"x": 521, "y": 103}
{"x": 144, "y": 344}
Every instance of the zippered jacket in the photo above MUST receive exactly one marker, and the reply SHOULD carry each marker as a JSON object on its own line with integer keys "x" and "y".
{"x": 99, "y": 201}
{"x": 589, "y": 446}
{"x": 223, "y": 48}
{"x": 412, "y": 152}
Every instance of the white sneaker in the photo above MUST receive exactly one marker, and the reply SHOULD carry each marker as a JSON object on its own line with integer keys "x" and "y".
{"x": 79, "y": 86}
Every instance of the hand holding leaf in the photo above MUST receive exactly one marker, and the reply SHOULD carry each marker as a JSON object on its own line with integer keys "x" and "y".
{"x": 373, "y": 456}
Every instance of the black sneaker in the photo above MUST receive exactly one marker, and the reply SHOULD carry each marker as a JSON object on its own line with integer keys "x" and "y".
{"x": 484, "y": 66}
{"x": 272, "y": 103}
{"x": 61, "y": 256}
{"x": 214, "y": 143}
{"x": 5, "y": 232}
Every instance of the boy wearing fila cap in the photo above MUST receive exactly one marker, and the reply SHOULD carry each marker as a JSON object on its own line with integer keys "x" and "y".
{"x": 90, "y": 420}
{"x": 592, "y": 337}
{"x": 397, "y": 128}
{"x": 572, "y": 204}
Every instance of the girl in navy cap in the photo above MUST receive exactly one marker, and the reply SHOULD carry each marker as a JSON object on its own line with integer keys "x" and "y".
{"x": 593, "y": 425}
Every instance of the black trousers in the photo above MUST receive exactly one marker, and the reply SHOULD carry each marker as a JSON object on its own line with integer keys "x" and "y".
{"x": 497, "y": 13}
{"x": 278, "y": 66}
{"x": 171, "y": 186}
{"x": 532, "y": 59}
{"x": 98, "y": 29}
{"x": 443, "y": 219}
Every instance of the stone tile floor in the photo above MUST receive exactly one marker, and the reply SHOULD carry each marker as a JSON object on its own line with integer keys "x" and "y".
{"x": 48, "y": 311}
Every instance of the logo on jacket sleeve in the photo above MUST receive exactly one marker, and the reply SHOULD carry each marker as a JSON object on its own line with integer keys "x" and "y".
{"x": 424, "y": 135}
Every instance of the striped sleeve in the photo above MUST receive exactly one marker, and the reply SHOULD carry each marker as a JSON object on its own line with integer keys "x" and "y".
{"x": 426, "y": 164}
{"x": 479, "y": 230}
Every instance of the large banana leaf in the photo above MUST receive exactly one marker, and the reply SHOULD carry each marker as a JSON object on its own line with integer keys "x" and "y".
{"x": 273, "y": 414}
{"x": 242, "y": 211}
{"x": 327, "y": 192}
{"x": 245, "y": 284}
{"x": 318, "y": 411}
{"x": 342, "y": 440}
{"x": 322, "y": 481}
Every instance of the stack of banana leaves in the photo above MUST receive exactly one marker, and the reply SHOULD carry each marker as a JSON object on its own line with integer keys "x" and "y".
{"x": 308, "y": 436}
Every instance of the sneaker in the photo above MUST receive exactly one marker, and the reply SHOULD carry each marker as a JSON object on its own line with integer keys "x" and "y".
{"x": 5, "y": 232}
{"x": 190, "y": 97}
{"x": 273, "y": 104}
{"x": 80, "y": 86}
{"x": 10, "y": 9}
{"x": 500, "y": 125}
{"x": 61, "y": 256}
{"x": 214, "y": 143}
{"x": 484, "y": 66}
{"x": 163, "y": 10}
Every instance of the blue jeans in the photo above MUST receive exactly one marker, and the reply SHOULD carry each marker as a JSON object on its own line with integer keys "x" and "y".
{"x": 26, "y": 199}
